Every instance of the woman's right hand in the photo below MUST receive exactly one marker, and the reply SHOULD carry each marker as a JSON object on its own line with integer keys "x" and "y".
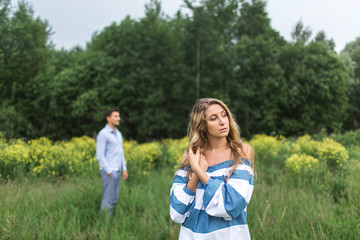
{"x": 199, "y": 165}
{"x": 203, "y": 163}
{"x": 197, "y": 160}
{"x": 194, "y": 158}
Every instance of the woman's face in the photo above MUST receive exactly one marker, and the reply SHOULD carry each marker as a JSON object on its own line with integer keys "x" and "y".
{"x": 217, "y": 121}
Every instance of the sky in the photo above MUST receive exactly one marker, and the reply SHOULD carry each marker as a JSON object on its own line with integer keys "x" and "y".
{"x": 74, "y": 22}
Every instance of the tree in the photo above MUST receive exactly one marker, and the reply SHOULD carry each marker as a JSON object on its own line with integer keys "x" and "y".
{"x": 78, "y": 95}
{"x": 321, "y": 37}
{"x": 316, "y": 89}
{"x": 257, "y": 86}
{"x": 301, "y": 33}
{"x": 151, "y": 89}
{"x": 23, "y": 53}
{"x": 351, "y": 56}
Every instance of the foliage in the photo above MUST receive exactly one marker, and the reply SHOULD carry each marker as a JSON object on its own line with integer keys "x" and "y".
{"x": 268, "y": 150}
{"x": 305, "y": 145}
{"x": 154, "y": 68}
{"x": 300, "y": 33}
{"x": 316, "y": 81}
{"x": 141, "y": 158}
{"x": 69, "y": 209}
{"x": 351, "y": 57}
{"x": 14, "y": 159}
{"x": 353, "y": 181}
{"x": 333, "y": 153}
{"x": 349, "y": 138}
{"x": 277, "y": 210}
{"x": 302, "y": 163}
{"x": 149, "y": 80}
{"x": 174, "y": 150}
{"x": 24, "y": 50}
{"x": 291, "y": 175}
{"x": 40, "y": 157}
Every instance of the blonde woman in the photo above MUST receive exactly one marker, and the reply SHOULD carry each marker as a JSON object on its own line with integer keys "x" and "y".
{"x": 214, "y": 184}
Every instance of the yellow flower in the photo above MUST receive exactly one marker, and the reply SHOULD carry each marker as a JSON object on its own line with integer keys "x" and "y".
{"x": 301, "y": 163}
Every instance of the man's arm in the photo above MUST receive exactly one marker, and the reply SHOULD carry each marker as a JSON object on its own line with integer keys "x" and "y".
{"x": 123, "y": 166}
{"x": 123, "y": 162}
{"x": 100, "y": 153}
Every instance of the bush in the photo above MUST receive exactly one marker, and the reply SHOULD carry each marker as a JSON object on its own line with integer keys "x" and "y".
{"x": 300, "y": 164}
{"x": 305, "y": 145}
{"x": 349, "y": 138}
{"x": 42, "y": 157}
{"x": 14, "y": 159}
{"x": 332, "y": 153}
{"x": 141, "y": 158}
{"x": 76, "y": 157}
{"x": 268, "y": 150}
{"x": 173, "y": 150}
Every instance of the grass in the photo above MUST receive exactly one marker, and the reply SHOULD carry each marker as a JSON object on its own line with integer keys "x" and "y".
{"x": 69, "y": 209}
{"x": 285, "y": 211}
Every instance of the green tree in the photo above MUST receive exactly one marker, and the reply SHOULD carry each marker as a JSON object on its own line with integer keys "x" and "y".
{"x": 258, "y": 84}
{"x": 151, "y": 87}
{"x": 351, "y": 56}
{"x": 23, "y": 53}
{"x": 316, "y": 89}
{"x": 301, "y": 33}
{"x": 321, "y": 37}
{"x": 78, "y": 96}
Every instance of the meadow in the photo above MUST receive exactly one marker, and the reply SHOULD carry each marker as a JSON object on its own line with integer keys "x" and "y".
{"x": 306, "y": 188}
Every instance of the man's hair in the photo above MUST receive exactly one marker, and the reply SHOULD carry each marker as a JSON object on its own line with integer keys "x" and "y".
{"x": 109, "y": 112}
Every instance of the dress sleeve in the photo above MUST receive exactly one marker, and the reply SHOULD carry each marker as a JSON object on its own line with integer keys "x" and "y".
{"x": 181, "y": 198}
{"x": 229, "y": 199}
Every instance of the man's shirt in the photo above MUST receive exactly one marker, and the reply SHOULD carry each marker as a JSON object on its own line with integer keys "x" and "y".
{"x": 109, "y": 150}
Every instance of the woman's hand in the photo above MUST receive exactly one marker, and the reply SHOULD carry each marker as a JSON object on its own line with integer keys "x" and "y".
{"x": 197, "y": 160}
{"x": 194, "y": 159}
{"x": 203, "y": 164}
{"x": 199, "y": 166}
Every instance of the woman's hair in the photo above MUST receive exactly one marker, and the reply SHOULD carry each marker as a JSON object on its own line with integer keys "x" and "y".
{"x": 197, "y": 133}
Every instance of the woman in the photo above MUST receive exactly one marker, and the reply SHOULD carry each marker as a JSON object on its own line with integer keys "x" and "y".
{"x": 214, "y": 184}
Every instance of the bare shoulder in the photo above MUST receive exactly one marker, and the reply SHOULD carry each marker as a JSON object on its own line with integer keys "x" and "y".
{"x": 247, "y": 151}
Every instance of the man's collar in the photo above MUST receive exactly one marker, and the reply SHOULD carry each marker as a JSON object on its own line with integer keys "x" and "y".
{"x": 109, "y": 128}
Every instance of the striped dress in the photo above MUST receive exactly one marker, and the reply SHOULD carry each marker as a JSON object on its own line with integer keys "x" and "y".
{"x": 216, "y": 210}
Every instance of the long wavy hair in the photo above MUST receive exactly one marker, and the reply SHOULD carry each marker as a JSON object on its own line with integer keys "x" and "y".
{"x": 197, "y": 132}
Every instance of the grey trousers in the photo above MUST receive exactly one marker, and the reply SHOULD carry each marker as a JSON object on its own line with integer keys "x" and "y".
{"x": 111, "y": 186}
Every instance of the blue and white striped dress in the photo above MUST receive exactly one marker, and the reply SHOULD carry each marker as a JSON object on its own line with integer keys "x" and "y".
{"x": 216, "y": 210}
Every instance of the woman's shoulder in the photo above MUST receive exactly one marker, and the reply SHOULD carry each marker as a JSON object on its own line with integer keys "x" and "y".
{"x": 246, "y": 151}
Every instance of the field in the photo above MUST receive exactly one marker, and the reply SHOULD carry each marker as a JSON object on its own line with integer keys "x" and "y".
{"x": 286, "y": 204}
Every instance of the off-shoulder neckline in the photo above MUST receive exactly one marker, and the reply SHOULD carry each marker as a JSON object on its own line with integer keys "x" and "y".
{"x": 246, "y": 160}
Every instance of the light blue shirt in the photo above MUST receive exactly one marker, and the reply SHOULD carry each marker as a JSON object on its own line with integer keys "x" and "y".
{"x": 109, "y": 150}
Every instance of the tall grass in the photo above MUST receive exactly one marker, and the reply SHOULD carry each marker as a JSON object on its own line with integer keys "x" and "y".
{"x": 320, "y": 205}
{"x": 285, "y": 210}
{"x": 69, "y": 209}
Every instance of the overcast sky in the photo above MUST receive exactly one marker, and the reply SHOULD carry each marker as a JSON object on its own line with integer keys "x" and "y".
{"x": 74, "y": 21}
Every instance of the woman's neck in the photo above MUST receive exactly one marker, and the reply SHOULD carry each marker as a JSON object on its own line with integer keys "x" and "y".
{"x": 216, "y": 144}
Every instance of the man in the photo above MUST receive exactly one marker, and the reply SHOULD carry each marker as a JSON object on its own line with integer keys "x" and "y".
{"x": 110, "y": 154}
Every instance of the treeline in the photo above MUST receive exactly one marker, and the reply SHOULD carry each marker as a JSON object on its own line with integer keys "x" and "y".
{"x": 153, "y": 69}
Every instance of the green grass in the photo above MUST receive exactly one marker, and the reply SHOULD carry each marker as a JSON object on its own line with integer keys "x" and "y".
{"x": 287, "y": 211}
{"x": 69, "y": 209}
